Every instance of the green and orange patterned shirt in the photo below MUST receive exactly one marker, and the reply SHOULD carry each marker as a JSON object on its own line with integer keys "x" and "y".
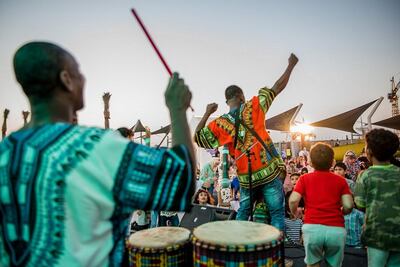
{"x": 266, "y": 164}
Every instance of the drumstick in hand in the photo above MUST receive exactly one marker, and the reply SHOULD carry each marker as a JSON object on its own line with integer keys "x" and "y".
{"x": 153, "y": 44}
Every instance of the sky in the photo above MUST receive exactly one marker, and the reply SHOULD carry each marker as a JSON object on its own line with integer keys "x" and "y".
{"x": 348, "y": 51}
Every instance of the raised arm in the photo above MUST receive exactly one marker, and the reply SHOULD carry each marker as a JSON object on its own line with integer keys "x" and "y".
{"x": 281, "y": 83}
{"x": 157, "y": 179}
{"x": 211, "y": 108}
{"x": 177, "y": 99}
{"x": 207, "y": 136}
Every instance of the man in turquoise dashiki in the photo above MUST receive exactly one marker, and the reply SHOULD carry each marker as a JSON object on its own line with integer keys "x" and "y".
{"x": 67, "y": 191}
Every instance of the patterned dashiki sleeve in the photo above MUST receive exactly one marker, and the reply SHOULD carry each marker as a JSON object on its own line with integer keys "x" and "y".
{"x": 154, "y": 179}
{"x": 265, "y": 97}
{"x": 207, "y": 137}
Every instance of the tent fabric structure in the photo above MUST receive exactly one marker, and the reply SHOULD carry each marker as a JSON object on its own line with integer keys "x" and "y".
{"x": 163, "y": 130}
{"x": 344, "y": 121}
{"x": 138, "y": 127}
{"x": 393, "y": 122}
{"x": 281, "y": 122}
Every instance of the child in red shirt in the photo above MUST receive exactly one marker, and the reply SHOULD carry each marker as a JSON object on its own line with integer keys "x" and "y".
{"x": 327, "y": 198}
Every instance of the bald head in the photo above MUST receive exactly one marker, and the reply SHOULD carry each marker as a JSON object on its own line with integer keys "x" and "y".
{"x": 37, "y": 67}
{"x": 47, "y": 71}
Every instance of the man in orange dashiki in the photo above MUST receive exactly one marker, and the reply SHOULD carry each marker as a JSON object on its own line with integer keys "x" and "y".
{"x": 267, "y": 164}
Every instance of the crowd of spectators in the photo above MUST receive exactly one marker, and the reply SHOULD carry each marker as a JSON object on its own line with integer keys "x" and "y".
{"x": 323, "y": 191}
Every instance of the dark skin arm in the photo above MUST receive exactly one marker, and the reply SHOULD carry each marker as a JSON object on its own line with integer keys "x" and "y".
{"x": 177, "y": 98}
{"x": 211, "y": 108}
{"x": 281, "y": 83}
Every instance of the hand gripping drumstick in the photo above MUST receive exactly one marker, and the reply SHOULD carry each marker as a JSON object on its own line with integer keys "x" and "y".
{"x": 154, "y": 45}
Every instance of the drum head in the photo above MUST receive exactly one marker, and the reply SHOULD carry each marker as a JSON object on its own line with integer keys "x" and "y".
{"x": 159, "y": 237}
{"x": 236, "y": 233}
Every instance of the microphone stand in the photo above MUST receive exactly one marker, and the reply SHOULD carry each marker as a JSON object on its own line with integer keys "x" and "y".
{"x": 250, "y": 173}
{"x": 165, "y": 136}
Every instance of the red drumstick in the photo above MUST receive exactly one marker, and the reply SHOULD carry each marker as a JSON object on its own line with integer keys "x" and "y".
{"x": 153, "y": 44}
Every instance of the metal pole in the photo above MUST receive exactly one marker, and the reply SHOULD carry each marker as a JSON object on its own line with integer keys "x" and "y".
{"x": 249, "y": 171}
{"x": 378, "y": 102}
{"x": 291, "y": 122}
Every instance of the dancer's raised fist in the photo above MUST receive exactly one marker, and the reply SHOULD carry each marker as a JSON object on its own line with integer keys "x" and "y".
{"x": 293, "y": 59}
{"x": 211, "y": 108}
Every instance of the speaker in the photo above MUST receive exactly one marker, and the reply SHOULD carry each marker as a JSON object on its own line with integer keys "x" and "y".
{"x": 203, "y": 214}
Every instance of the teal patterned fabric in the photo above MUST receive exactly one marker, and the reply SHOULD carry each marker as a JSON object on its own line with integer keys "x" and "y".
{"x": 31, "y": 204}
{"x": 62, "y": 187}
{"x": 149, "y": 179}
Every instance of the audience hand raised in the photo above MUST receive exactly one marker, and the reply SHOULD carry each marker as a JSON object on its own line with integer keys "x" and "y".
{"x": 206, "y": 184}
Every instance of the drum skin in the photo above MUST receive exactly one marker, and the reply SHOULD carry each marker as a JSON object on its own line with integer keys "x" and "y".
{"x": 237, "y": 243}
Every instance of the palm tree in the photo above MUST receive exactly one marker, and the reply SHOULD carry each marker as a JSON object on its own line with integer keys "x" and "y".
{"x": 4, "y": 128}
{"x": 106, "y": 100}
{"x": 25, "y": 115}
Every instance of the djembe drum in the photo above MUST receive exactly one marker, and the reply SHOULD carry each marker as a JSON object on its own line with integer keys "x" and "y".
{"x": 237, "y": 243}
{"x": 161, "y": 246}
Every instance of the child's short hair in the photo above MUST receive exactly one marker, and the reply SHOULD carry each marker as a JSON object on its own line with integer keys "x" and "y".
{"x": 341, "y": 165}
{"x": 364, "y": 163}
{"x": 321, "y": 155}
{"x": 294, "y": 174}
{"x": 382, "y": 143}
{"x": 304, "y": 169}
